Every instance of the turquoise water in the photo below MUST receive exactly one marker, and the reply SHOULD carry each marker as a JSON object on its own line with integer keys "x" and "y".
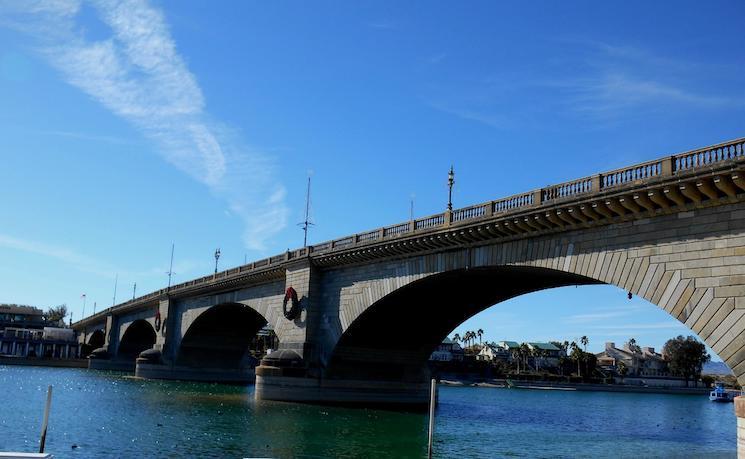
{"x": 111, "y": 415}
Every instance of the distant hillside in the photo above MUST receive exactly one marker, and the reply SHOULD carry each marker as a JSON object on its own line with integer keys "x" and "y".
{"x": 716, "y": 368}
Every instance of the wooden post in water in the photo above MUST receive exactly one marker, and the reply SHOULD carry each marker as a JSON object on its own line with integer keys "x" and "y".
{"x": 432, "y": 400}
{"x": 46, "y": 420}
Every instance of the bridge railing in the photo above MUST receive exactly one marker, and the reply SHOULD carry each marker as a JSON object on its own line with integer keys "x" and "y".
{"x": 667, "y": 166}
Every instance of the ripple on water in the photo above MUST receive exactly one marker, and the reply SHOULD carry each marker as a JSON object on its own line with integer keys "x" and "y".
{"x": 107, "y": 414}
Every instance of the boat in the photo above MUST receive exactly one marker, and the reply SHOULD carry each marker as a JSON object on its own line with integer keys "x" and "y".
{"x": 722, "y": 395}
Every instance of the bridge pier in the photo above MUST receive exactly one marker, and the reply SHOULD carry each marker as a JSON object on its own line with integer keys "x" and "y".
{"x": 149, "y": 370}
{"x": 272, "y": 385}
{"x": 740, "y": 413}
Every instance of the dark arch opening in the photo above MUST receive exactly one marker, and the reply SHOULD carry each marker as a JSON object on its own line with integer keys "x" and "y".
{"x": 221, "y": 337}
{"x": 95, "y": 340}
{"x": 393, "y": 338}
{"x": 140, "y": 336}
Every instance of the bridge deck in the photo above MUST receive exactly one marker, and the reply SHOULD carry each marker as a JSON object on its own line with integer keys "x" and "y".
{"x": 703, "y": 177}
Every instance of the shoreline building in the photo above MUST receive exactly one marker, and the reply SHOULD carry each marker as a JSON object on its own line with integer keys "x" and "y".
{"x": 25, "y": 333}
{"x": 447, "y": 351}
{"x": 639, "y": 361}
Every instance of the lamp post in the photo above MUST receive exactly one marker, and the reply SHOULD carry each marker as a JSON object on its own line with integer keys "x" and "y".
{"x": 451, "y": 181}
{"x": 217, "y": 257}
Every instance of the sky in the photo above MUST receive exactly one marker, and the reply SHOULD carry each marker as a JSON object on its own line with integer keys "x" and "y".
{"x": 129, "y": 126}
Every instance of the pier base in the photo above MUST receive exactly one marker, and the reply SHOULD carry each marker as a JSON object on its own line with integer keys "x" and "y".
{"x": 740, "y": 413}
{"x": 271, "y": 385}
{"x": 181, "y": 373}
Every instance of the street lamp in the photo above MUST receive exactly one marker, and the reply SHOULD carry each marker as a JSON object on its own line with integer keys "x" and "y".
{"x": 217, "y": 257}
{"x": 451, "y": 181}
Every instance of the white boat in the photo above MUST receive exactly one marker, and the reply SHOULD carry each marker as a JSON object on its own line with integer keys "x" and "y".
{"x": 722, "y": 395}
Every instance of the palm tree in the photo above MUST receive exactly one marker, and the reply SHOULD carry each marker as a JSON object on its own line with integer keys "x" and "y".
{"x": 632, "y": 345}
{"x": 480, "y": 332}
{"x": 584, "y": 342}
{"x": 456, "y": 338}
{"x": 525, "y": 351}
{"x": 516, "y": 357}
{"x": 575, "y": 356}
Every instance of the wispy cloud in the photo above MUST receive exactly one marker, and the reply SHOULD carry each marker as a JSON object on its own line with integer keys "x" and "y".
{"x": 138, "y": 74}
{"x": 603, "y": 315}
{"x": 383, "y": 24}
{"x": 611, "y": 93}
{"x": 495, "y": 120}
{"x": 642, "y": 326}
{"x": 594, "y": 317}
{"x": 88, "y": 264}
{"x": 616, "y": 82}
{"x": 66, "y": 255}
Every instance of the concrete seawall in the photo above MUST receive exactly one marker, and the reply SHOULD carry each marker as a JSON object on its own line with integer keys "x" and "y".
{"x": 540, "y": 385}
{"x": 29, "y": 362}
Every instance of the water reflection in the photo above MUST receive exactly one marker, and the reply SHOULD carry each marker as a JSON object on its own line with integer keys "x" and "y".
{"x": 110, "y": 415}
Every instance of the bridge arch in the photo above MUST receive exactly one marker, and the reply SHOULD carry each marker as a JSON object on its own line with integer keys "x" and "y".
{"x": 93, "y": 341}
{"x": 425, "y": 311}
{"x": 404, "y": 313}
{"x": 138, "y": 336}
{"x": 96, "y": 339}
{"x": 220, "y": 337}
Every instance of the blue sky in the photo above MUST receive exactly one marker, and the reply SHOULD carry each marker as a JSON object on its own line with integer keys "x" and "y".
{"x": 126, "y": 126}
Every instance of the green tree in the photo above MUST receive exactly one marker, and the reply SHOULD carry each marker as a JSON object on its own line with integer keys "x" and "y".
{"x": 686, "y": 357}
{"x": 56, "y": 313}
{"x": 584, "y": 342}
{"x": 622, "y": 370}
{"x": 479, "y": 333}
{"x": 633, "y": 347}
{"x": 456, "y": 338}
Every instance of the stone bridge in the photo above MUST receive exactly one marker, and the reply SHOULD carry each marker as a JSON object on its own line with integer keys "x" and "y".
{"x": 374, "y": 305}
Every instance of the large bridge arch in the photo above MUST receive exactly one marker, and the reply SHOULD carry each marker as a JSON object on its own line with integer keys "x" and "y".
{"x": 425, "y": 311}
{"x": 220, "y": 337}
{"x": 137, "y": 337}
{"x": 692, "y": 268}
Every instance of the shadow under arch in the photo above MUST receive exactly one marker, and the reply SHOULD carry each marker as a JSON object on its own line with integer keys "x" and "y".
{"x": 138, "y": 337}
{"x": 97, "y": 339}
{"x": 220, "y": 338}
{"x": 394, "y": 337}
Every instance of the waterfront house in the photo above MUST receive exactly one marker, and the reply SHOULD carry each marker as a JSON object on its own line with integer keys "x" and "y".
{"x": 545, "y": 354}
{"x": 25, "y": 333}
{"x": 508, "y": 346}
{"x": 447, "y": 351}
{"x": 490, "y": 352}
{"x": 639, "y": 361}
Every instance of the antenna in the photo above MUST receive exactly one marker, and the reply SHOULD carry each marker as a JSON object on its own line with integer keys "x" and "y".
{"x": 170, "y": 267}
{"x": 307, "y": 222}
{"x": 116, "y": 281}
